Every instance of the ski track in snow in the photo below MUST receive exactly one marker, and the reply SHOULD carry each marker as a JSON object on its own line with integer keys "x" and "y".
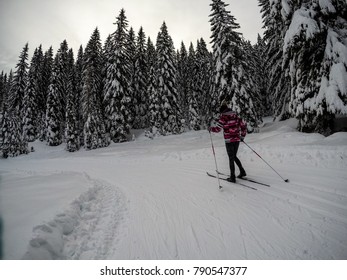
{"x": 86, "y": 230}
{"x": 152, "y": 200}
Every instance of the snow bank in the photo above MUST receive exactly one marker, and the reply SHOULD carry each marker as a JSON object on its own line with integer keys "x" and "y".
{"x": 282, "y": 144}
{"x": 336, "y": 139}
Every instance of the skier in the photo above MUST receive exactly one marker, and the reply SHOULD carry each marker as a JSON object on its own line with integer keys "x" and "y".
{"x": 235, "y": 130}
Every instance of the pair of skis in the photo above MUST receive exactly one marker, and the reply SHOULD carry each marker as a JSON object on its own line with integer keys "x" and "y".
{"x": 239, "y": 183}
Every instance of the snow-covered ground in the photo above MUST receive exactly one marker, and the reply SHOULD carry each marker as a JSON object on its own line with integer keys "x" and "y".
{"x": 151, "y": 199}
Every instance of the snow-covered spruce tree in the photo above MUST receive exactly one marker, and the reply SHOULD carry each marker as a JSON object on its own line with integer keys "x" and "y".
{"x": 261, "y": 75}
{"x": 62, "y": 79}
{"x": 30, "y": 106}
{"x": 3, "y": 99}
{"x": 79, "y": 88}
{"x": 4, "y": 128}
{"x": 11, "y": 141}
{"x": 107, "y": 71}
{"x": 315, "y": 48}
{"x": 242, "y": 88}
{"x": 13, "y": 138}
{"x": 95, "y": 135}
{"x": 276, "y": 14}
{"x": 42, "y": 85}
{"x": 221, "y": 21}
{"x": 171, "y": 122}
{"x": 45, "y": 81}
{"x": 203, "y": 81}
{"x": 9, "y": 83}
{"x": 53, "y": 110}
{"x": 250, "y": 82}
{"x": 182, "y": 81}
{"x": 131, "y": 51}
{"x": 56, "y": 100}
{"x": 230, "y": 82}
{"x": 140, "y": 82}
{"x": 72, "y": 119}
{"x": 3, "y": 94}
{"x": 193, "y": 106}
{"x": 32, "y": 96}
{"x": 154, "y": 117}
{"x": 116, "y": 89}
{"x": 17, "y": 91}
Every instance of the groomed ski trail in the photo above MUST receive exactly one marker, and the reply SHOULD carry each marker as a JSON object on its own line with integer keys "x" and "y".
{"x": 153, "y": 200}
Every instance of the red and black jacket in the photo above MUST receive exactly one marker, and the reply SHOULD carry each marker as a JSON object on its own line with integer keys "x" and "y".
{"x": 233, "y": 126}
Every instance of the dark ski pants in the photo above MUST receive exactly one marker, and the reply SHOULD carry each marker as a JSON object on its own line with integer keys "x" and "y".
{"x": 232, "y": 149}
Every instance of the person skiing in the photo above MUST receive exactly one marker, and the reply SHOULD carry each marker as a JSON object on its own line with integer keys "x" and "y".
{"x": 234, "y": 129}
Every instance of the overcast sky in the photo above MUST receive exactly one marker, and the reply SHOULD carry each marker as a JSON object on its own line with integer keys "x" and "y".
{"x": 49, "y": 22}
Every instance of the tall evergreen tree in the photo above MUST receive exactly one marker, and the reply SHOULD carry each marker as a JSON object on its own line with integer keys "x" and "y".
{"x": 203, "y": 81}
{"x": 6, "y": 87}
{"x": 171, "y": 122}
{"x": 63, "y": 78}
{"x": 56, "y": 100}
{"x": 3, "y": 94}
{"x": 31, "y": 97}
{"x": 182, "y": 81}
{"x": 249, "y": 97}
{"x": 11, "y": 139}
{"x": 193, "y": 106}
{"x": 131, "y": 52}
{"x": 140, "y": 81}
{"x": 108, "y": 54}
{"x": 72, "y": 134}
{"x": 53, "y": 108}
{"x": 13, "y": 142}
{"x": 46, "y": 73}
{"x": 276, "y": 15}
{"x": 18, "y": 85}
{"x": 116, "y": 89}
{"x": 261, "y": 75}
{"x": 154, "y": 117}
{"x": 95, "y": 135}
{"x": 3, "y": 99}
{"x": 4, "y": 128}
{"x": 79, "y": 89}
{"x": 230, "y": 83}
{"x": 8, "y": 84}
{"x": 222, "y": 23}
{"x": 315, "y": 48}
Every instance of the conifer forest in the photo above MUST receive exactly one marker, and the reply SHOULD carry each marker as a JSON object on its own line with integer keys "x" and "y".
{"x": 90, "y": 97}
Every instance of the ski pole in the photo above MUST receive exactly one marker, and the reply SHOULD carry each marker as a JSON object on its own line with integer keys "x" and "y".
{"x": 215, "y": 161}
{"x": 285, "y": 180}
